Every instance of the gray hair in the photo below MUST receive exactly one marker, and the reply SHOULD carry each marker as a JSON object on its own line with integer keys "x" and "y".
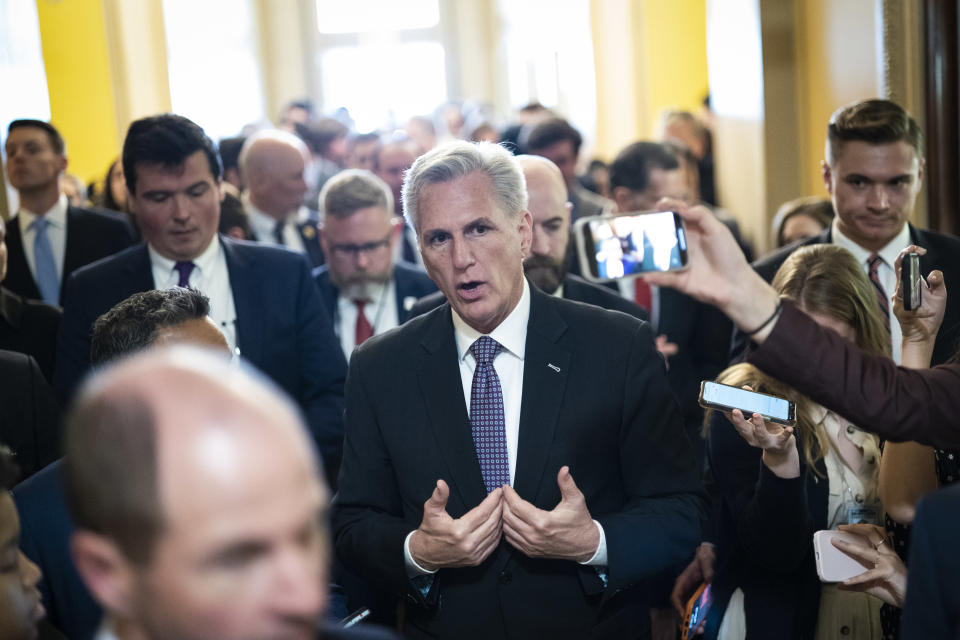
{"x": 458, "y": 159}
{"x": 353, "y": 189}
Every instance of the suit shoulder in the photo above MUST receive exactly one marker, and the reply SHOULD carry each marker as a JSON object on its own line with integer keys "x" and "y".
{"x": 427, "y": 303}
{"x": 14, "y": 361}
{"x": 580, "y": 290}
{"x": 270, "y": 254}
{"x": 100, "y": 217}
{"x": 940, "y": 241}
{"x": 104, "y": 268}
{"x": 767, "y": 267}
{"x": 596, "y": 320}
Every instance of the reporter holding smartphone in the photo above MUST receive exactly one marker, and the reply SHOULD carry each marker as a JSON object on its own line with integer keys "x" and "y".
{"x": 781, "y": 484}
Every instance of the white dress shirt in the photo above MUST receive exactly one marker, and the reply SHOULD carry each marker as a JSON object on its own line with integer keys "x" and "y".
{"x": 886, "y": 273}
{"x": 512, "y": 336}
{"x": 56, "y": 232}
{"x": 263, "y": 225}
{"x": 381, "y": 313}
{"x": 210, "y": 276}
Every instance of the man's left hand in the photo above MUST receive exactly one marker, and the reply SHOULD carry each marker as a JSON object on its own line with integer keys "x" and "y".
{"x": 567, "y": 532}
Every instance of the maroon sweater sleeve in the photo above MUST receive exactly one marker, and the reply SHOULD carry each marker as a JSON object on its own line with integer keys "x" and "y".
{"x": 894, "y": 402}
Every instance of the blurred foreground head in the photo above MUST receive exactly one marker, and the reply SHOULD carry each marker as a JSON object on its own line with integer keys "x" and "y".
{"x": 198, "y": 500}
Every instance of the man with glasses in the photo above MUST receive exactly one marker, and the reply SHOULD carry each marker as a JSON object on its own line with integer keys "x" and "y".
{"x": 364, "y": 290}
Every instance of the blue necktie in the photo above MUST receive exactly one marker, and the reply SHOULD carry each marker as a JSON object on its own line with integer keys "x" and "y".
{"x": 486, "y": 415}
{"x": 45, "y": 267}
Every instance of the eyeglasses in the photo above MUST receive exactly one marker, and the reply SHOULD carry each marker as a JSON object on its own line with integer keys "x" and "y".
{"x": 354, "y": 250}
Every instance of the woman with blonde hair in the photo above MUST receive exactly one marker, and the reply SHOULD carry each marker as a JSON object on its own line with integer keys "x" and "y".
{"x": 780, "y": 485}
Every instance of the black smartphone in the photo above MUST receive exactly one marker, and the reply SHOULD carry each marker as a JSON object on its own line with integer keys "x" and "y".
{"x": 714, "y": 395}
{"x": 625, "y": 245}
{"x": 910, "y": 285}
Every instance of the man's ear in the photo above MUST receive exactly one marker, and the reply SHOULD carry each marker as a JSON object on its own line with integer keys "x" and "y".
{"x": 621, "y": 196}
{"x": 526, "y": 233}
{"x": 105, "y": 570}
{"x": 827, "y": 173}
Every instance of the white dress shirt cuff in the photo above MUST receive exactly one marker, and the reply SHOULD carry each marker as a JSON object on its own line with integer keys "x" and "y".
{"x": 414, "y": 569}
{"x": 599, "y": 558}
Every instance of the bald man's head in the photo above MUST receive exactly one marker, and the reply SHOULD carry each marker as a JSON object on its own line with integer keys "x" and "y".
{"x": 194, "y": 486}
{"x": 272, "y": 165}
{"x": 548, "y": 262}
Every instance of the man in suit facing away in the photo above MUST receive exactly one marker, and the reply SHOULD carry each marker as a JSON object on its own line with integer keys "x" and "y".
{"x": 529, "y": 464}
{"x": 364, "y": 290}
{"x": 49, "y": 238}
{"x": 262, "y": 297}
{"x": 272, "y": 165}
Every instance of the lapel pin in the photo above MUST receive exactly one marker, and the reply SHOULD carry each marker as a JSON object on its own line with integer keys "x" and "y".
{"x": 554, "y": 367}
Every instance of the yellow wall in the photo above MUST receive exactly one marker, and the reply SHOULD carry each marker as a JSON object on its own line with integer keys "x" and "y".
{"x": 75, "y": 55}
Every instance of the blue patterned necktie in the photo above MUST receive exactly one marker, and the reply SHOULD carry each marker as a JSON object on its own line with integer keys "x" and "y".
{"x": 184, "y": 269}
{"x": 486, "y": 415}
{"x": 45, "y": 267}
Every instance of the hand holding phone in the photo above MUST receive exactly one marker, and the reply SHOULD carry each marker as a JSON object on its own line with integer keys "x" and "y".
{"x": 726, "y": 398}
{"x": 630, "y": 244}
{"x": 921, "y": 324}
{"x": 695, "y": 616}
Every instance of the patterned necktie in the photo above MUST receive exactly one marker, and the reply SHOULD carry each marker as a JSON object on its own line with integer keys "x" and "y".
{"x": 278, "y": 232}
{"x": 883, "y": 300}
{"x": 363, "y": 329}
{"x": 45, "y": 267}
{"x": 184, "y": 269}
{"x": 486, "y": 415}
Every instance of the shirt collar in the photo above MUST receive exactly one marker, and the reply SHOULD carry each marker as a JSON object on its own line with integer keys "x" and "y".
{"x": 55, "y": 215}
{"x": 511, "y": 333}
{"x": 889, "y": 253}
{"x": 205, "y": 261}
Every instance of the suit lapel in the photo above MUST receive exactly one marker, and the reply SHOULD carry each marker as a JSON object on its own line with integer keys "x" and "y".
{"x": 244, "y": 281}
{"x": 438, "y": 371}
{"x": 545, "y": 370}
{"x": 308, "y": 234}
{"x": 72, "y": 258}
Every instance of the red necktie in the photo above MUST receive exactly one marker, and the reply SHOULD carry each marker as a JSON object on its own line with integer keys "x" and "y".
{"x": 642, "y": 294}
{"x": 363, "y": 329}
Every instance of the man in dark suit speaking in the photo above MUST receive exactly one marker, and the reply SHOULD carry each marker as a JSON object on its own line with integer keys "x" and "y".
{"x": 363, "y": 289}
{"x": 261, "y": 297}
{"x": 530, "y": 464}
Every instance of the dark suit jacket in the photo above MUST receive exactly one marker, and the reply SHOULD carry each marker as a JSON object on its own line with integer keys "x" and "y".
{"x": 899, "y": 404}
{"x": 607, "y": 413}
{"x": 932, "y": 608}
{"x": 310, "y": 237}
{"x": 45, "y": 530}
{"x": 29, "y": 413}
{"x": 410, "y": 282}
{"x": 91, "y": 235}
{"x": 282, "y": 327}
{"x": 30, "y": 327}
{"x": 943, "y": 252}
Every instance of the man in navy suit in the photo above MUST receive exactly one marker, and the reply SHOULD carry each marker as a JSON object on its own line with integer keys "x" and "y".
{"x": 364, "y": 290}
{"x": 49, "y": 238}
{"x": 262, "y": 297}
{"x": 272, "y": 165}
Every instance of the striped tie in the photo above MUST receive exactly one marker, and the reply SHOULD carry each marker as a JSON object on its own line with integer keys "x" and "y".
{"x": 883, "y": 300}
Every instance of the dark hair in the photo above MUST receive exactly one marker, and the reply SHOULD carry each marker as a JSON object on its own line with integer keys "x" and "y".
{"x": 110, "y": 467}
{"x": 56, "y": 140}
{"x": 230, "y": 151}
{"x": 133, "y": 324}
{"x": 874, "y": 122}
{"x": 548, "y": 133}
{"x": 319, "y": 135}
{"x": 631, "y": 168}
{"x": 815, "y": 207}
{"x": 109, "y": 202}
{"x": 165, "y": 140}
{"x": 9, "y": 470}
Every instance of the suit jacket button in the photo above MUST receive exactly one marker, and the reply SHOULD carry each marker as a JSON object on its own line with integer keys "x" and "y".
{"x": 506, "y": 577}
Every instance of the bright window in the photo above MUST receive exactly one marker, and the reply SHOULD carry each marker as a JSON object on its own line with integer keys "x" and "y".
{"x": 356, "y": 16}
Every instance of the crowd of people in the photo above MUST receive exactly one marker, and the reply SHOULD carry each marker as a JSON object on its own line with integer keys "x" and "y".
{"x": 311, "y": 377}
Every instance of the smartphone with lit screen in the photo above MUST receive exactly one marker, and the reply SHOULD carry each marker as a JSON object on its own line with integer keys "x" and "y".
{"x": 714, "y": 395}
{"x": 696, "y": 612}
{"x": 628, "y": 245}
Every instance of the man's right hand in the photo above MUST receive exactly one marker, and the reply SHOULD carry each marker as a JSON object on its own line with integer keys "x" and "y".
{"x": 442, "y": 541}
{"x": 699, "y": 570}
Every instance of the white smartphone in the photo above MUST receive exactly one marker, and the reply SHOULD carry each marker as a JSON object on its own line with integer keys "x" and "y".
{"x": 714, "y": 395}
{"x": 629, "y": 244}
{"x": 834, "y": 565}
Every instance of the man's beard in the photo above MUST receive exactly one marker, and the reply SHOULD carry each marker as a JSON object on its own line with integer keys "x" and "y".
{"x": 546, "y": 272}
{"x": 366, "y": 286}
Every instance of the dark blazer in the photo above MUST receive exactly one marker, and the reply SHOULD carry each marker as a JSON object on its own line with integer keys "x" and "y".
{"x": 574, "y": 288}
{"x": 595, "y": 398}
{"x": 410, "y": 282}
{"x": 45, "y": 530}
{"x": 310, "y": 237}
{"x": 282, "y": 326}
{"x": 91, "y": 235}
{"x": 29, "y": 413}
{"x": 765, "y": 538}
{"x": 30, "y": 327}
{"x": 943, "y": 252}
{"x": 932, "y": 608}
{"x": 899, "y": 404}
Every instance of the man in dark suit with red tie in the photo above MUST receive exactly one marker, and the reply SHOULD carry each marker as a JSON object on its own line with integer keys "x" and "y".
{"x": 509, "y": 453}
{"x": 49, "y": 238}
